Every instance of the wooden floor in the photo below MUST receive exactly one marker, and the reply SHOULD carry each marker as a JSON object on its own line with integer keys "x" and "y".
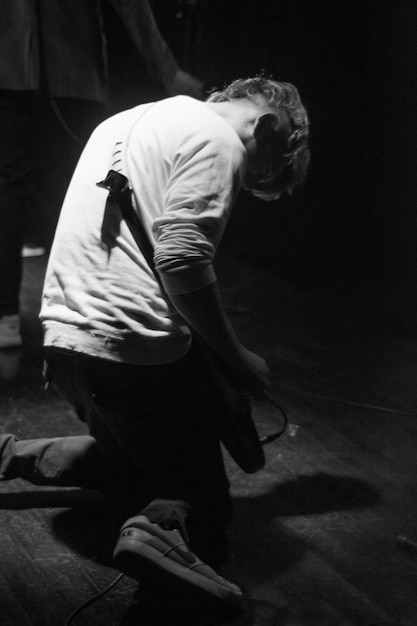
{"x": 313, "y": 541}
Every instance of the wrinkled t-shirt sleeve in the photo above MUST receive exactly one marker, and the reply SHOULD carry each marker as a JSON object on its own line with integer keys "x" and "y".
{"x": 205, "y": 179}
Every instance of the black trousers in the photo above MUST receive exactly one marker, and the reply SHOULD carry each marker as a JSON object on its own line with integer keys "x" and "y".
{"x": 153, "y": 435}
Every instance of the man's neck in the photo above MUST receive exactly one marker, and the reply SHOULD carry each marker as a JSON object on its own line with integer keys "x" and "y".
{"x": 240, "y": 114}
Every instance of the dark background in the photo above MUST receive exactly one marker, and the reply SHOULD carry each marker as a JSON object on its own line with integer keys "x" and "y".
{"x": 322, "y": 285}
{"x": 352, "y": 228}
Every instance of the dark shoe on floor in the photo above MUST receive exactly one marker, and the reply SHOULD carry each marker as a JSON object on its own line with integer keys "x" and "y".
{"x": 146, "y": 552}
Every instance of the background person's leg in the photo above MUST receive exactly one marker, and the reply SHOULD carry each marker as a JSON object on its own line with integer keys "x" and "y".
{"x": 16, "y": 131}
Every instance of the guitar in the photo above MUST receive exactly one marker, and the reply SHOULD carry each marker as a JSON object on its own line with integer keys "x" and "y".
{"x": 237, "y": 431}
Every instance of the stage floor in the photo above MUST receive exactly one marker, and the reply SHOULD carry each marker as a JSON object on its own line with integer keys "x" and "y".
{"x": 313, "y": 541}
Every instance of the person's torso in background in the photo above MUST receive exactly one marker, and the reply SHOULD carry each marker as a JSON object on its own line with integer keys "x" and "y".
{"x": 55, "y": 47}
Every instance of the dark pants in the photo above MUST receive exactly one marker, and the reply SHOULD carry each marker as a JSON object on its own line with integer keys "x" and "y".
{"x": 37, "y": 158}
{"x": 153, "y": 435}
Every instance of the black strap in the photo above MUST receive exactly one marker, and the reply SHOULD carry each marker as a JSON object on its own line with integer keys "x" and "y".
{"x": 119, "y": 191}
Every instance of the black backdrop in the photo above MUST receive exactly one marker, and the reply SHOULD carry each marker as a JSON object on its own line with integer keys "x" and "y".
{"x": 354, "y": 222}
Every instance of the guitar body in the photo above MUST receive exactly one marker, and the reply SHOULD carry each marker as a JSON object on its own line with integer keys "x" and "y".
{"x": 238, "y": 432}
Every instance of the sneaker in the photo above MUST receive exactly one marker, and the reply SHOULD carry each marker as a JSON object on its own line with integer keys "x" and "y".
{"x": 10, "y": 336}
{"x": 32, "y": 250}
{"x": 146, "y": 552}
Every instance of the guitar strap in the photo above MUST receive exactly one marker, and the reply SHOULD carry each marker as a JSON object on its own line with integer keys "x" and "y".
{"x": 120, "y": 193}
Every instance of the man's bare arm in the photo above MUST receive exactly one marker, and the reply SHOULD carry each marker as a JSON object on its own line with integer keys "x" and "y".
{"x": 204, "y": 311}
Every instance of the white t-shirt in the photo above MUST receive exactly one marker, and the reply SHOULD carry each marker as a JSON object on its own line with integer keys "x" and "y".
{"x": 185, "y": 165}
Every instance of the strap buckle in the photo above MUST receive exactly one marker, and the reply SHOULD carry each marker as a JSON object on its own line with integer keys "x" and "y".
{"x": 115, "y": 183}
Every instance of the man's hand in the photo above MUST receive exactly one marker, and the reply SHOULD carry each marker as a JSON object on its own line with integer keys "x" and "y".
{"x": 203, "y": 310}
{"x": 187, "y": 85}
{"x": 252, "y": 373}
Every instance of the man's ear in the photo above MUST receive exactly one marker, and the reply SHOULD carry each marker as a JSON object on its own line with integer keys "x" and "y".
{"x": 267, "y": 122}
